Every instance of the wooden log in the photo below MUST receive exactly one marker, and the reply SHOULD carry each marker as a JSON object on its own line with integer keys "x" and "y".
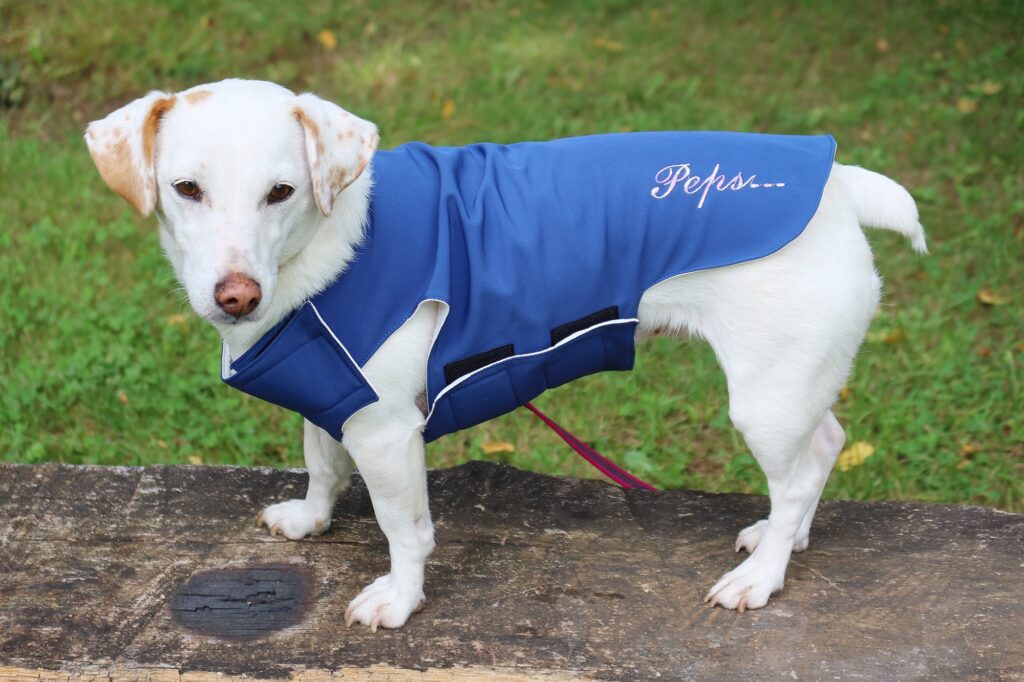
{"x": 160, "y": 573}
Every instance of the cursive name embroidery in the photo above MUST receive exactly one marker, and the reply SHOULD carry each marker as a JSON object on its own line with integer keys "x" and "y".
{"x": 679, "y": 173}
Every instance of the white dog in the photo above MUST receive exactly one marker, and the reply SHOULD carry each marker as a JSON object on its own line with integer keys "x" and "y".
{"x": 262, "y": 198}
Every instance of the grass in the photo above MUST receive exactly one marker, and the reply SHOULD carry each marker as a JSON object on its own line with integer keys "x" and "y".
{"x": 102, "y": 362}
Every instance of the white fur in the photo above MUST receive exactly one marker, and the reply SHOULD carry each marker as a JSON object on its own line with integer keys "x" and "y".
{"x": 785, "y": 329}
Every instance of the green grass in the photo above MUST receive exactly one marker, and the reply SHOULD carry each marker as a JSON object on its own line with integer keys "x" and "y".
{"x": 102, "y": 362}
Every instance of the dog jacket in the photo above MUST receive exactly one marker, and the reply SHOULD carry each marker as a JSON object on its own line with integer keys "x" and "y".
{"x": 539, "y": 253}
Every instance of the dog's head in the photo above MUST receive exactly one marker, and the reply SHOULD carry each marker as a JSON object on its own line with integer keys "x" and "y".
{"x": 240, "y": 173}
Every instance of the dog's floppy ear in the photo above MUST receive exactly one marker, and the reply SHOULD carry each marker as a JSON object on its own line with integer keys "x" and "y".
{"x": 338, "y": 147}
{"x": 123, "y": 147}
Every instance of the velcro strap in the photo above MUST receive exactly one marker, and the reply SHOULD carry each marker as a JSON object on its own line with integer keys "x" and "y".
{"x": 459, "y": 368}
{"x": 566, "y": 330}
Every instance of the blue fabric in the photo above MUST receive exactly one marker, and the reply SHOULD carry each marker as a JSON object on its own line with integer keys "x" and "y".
{"x": 541, "y": 251}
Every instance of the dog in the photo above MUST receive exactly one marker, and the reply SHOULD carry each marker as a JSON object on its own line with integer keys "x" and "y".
{"x": 267, "y": 200}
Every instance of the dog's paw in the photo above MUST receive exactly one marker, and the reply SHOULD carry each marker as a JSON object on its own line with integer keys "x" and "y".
{"x": 749, "y": 585}
{"x": 383, "y": 604}
{"x": 750, "y": 537}
{"x": 294, "y": 519}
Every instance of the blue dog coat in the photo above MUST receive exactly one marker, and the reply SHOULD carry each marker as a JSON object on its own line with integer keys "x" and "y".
{"x": 539, "y": 253}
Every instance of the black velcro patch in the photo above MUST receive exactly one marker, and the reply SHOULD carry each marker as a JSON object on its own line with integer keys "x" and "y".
{"x": 566, "y": 330}
{"x": 457, "y": 368}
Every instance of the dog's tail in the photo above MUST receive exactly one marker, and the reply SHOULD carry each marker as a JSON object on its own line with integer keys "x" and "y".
{"x": 882, "y": 203}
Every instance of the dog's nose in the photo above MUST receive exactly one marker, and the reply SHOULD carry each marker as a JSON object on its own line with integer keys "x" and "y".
{"x": 237, "y": 294}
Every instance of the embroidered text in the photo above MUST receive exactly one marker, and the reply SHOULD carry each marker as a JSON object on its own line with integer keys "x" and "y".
{"x": 670, "y": 176}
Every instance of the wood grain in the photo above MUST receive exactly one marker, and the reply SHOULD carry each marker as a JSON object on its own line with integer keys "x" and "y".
{"x": 534, "y": 577}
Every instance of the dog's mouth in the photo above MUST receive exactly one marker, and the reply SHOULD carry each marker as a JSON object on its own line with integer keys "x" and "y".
{"x": 222, "y": 318}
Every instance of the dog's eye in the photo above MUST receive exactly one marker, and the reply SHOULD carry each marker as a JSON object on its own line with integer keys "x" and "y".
{"x": 188, "y": 189}
{"x": 279, "y": 192}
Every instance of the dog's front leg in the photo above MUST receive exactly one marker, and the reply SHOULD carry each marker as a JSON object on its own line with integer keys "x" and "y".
{"x": 330, "y": 472}
{"x": 387, "y": 445}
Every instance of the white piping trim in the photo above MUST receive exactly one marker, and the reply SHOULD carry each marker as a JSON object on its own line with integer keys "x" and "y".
{"x": 342, "y": 347}
{"x": 440, "y": 323}
{"x": 568, "y": 339}
{"x": 225, "y": 362}
{"x": 438, "y": 326}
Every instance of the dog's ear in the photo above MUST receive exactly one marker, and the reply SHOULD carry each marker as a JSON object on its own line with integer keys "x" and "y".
{"x": 123, "y": 146}
{"x": 338, "y": 147}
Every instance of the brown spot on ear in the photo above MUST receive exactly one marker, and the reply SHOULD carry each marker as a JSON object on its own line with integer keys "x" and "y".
{"x": 337, "y": 178}
{"x": 197, "y": 96}
{"x": 359, "y": 167}
{"x": 306, "y": 121}
{"x": 149, "y": 128}
{"x": 114, "y": 162}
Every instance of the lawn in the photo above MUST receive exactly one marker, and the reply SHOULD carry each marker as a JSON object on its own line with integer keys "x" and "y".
{"x": 101, "y": 361}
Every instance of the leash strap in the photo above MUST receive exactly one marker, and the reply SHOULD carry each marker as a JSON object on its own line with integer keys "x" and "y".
{"x": 599, "y": 461}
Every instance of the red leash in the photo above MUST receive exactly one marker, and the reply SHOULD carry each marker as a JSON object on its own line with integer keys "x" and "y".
{"x": 600, "y": 462}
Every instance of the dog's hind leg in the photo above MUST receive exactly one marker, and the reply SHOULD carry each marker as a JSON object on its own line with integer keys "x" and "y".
{"x": 785, "y": 330}
{"x": 330, "y": 472}
{"x": 826, "y": 444}
{"x": 786, "y": 423}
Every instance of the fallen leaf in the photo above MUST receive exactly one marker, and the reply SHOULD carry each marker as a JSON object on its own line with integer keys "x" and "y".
{"x": 991, "y": 87}
{"x": 844, "y": 393}
{"x": 162, "y": 444}
{"x": 983, "y": 351}
{"x": 448, "y": 109}
{"x": 327, "y": 39}
{"x": 890, "y": 337}
{"x": 195, "y": 460}
{"x": 855, "y": 455}
{"x": 989, "y": 297}
{"x": 177, "y": 318}
{"x": 969, "y": 448}
{"x": 493, "y": 446}
{"x": 882, "y": 45}
{"x": 610, "y": 45}
{"x": 206, "y": 21}
{"x": 122, "y": 397}
{"x": 966, "y": 105}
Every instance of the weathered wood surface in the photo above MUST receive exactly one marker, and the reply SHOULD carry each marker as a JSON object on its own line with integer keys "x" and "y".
{"x": 533, "y": 577}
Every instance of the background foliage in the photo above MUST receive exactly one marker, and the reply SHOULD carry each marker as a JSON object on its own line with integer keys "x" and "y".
{"x": 101, "y": 361}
